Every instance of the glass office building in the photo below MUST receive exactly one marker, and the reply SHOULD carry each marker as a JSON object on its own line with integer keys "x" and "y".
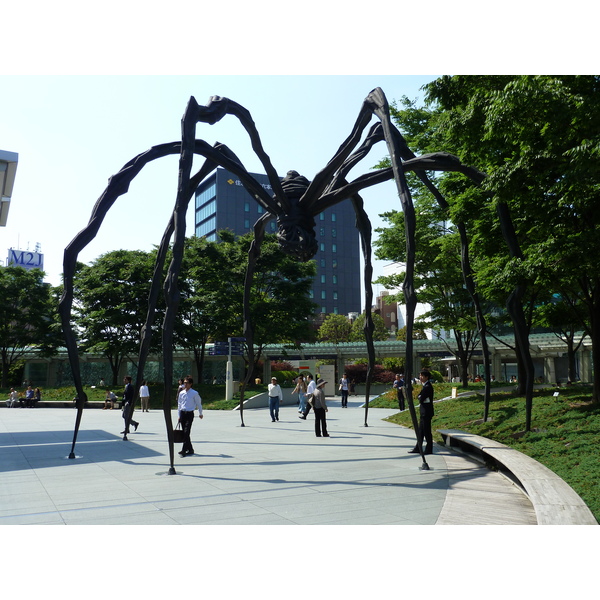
{"x": 223, "y": 203}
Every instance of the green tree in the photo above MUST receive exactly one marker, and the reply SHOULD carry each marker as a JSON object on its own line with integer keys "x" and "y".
{"x": 212, "y": 288}
{"x": 335, "y": 329}
{"x": 438, "y": 278}
{"x": 280, "y": 307}
{"x": 27, "y": 316}
{"x": 111, "y": 302}
{"x": 380, "y": 332}
{"x": 209, "y": 290}
{"x": 537, "y": 140}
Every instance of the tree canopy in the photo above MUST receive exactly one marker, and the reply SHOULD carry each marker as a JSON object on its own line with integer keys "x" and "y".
{"x": 27, "y": 316}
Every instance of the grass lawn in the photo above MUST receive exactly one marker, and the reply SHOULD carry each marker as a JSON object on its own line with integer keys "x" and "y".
{"x": 564, "y": 436}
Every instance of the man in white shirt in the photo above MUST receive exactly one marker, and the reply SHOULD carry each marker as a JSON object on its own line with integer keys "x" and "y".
{"x": 310, "y": 389}
{"x": 188, "y": 400}
{"x": 274, "y": 399}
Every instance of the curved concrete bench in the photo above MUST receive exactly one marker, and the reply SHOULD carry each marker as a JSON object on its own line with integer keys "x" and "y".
{"x": 554, "y": 501}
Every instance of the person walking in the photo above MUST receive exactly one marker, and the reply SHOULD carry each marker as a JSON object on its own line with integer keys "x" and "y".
{"x": 274, "y": 399}
{"x": 311, "y": 386}
{"x": 344, "y": 384}
{"x": 320, "y": 408}
{"x": 300, "y": 389}
{"x": 128, "y": 402}
{"x": 426, "y": 413}
{"x": 187, "y": 401}
{"x": 399, "y": 387}
{"x": 144, "y": 396}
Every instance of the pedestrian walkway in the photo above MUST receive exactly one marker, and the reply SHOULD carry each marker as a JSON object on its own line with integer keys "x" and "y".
{"x": 263, "y": 473}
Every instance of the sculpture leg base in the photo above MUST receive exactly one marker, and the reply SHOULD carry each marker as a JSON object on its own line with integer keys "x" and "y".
{"x": 172, "y": 471}
{"x": 424, "y": 467}
{"x": 72, "y": 455}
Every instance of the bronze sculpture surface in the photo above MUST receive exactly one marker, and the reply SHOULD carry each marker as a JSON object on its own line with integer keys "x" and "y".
{"x": 294, "y": 203}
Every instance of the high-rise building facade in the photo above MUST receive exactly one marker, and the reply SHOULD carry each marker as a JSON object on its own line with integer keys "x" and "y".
{"x": 223, "y": 203}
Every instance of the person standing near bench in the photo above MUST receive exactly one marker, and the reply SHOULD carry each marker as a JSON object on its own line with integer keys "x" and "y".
{"x": 426, "y": 412}
{"x": 144, "y": 396}
{"x": 187, "y": 401}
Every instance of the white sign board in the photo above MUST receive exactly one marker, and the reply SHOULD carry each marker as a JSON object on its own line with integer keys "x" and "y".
{"x": 25, "y": 258}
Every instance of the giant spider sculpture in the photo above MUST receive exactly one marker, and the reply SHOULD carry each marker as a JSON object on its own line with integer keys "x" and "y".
{"x": 295, "y": 202}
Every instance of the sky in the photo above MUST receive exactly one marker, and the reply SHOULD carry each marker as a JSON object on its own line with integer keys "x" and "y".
{"x": 80, "y": 95}
{"x": 73, "y": 132}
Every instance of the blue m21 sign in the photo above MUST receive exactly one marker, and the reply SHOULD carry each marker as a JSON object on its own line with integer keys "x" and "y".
{"x": 25, "y": 259}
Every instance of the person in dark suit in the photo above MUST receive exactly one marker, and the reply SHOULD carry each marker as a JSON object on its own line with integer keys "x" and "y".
{"x": 399, "y": 387}
{"x": 128, "y": 398}
{"x": 426, "y": 412}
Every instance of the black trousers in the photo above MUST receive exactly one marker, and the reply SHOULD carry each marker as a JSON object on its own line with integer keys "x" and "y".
{"x": 186, "y": 425}
{"x": 320, "y": 422}
{"x": 344, "y": 397}
{"x": 425, "y": 433}
{"x": 400, "y": 392}
{"x": 127, "y": 410}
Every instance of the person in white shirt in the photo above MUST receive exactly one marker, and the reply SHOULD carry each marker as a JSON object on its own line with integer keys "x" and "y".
{"x": 344, "y": 389}
{"x": 187, "y": 401}
{"x": 13, "y": 398}
{"x": 311, "y": 386}
{"x": 274, "y": 399}
{"x": 144, "y": 396}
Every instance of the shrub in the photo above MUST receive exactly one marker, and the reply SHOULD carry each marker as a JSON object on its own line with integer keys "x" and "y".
{"x": 358, "y": 373}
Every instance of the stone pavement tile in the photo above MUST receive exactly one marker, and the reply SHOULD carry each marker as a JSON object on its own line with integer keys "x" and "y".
{"x": 263, "y": 473}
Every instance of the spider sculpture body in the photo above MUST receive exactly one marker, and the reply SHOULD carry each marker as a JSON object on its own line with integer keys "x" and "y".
{"x": 295, "y": 203}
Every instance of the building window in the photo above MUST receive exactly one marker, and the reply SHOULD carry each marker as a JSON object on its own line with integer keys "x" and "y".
{"x": 322, "y": 247}
{"x": 311, "y": 293}
{"x": 207, "y": 227}
{"x": 246, "y": 206}
{"x": 334, "y": 279}
{"x": 323, "y": 262}
{"x": 323, "y": 295}
{"x": 206, "y": 195}
{"x": 333, "y": 217}
{"x": 334, "y": 247}
{"x": 335, "y": 310}
{"x": 323, "y": 279}
{"x": 322, "y": 231}
{"x": 322, "y": 217}
{"x": 247, "y": 223}
{"x": 323, "y": 309}
{"x": 208, "y": 210}
{"x": 334, "y": 233}
{"x": 334, "y": 263}
{"x": 261, "y": 210}
{"x": 335, "y": 296}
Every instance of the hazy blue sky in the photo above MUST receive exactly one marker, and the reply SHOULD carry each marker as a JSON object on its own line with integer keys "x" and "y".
{"x": 82, "y": 92}
{"x": 73, "y": 132}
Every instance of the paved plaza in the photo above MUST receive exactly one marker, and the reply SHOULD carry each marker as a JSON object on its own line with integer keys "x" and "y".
{"x": 264, "y": 473}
